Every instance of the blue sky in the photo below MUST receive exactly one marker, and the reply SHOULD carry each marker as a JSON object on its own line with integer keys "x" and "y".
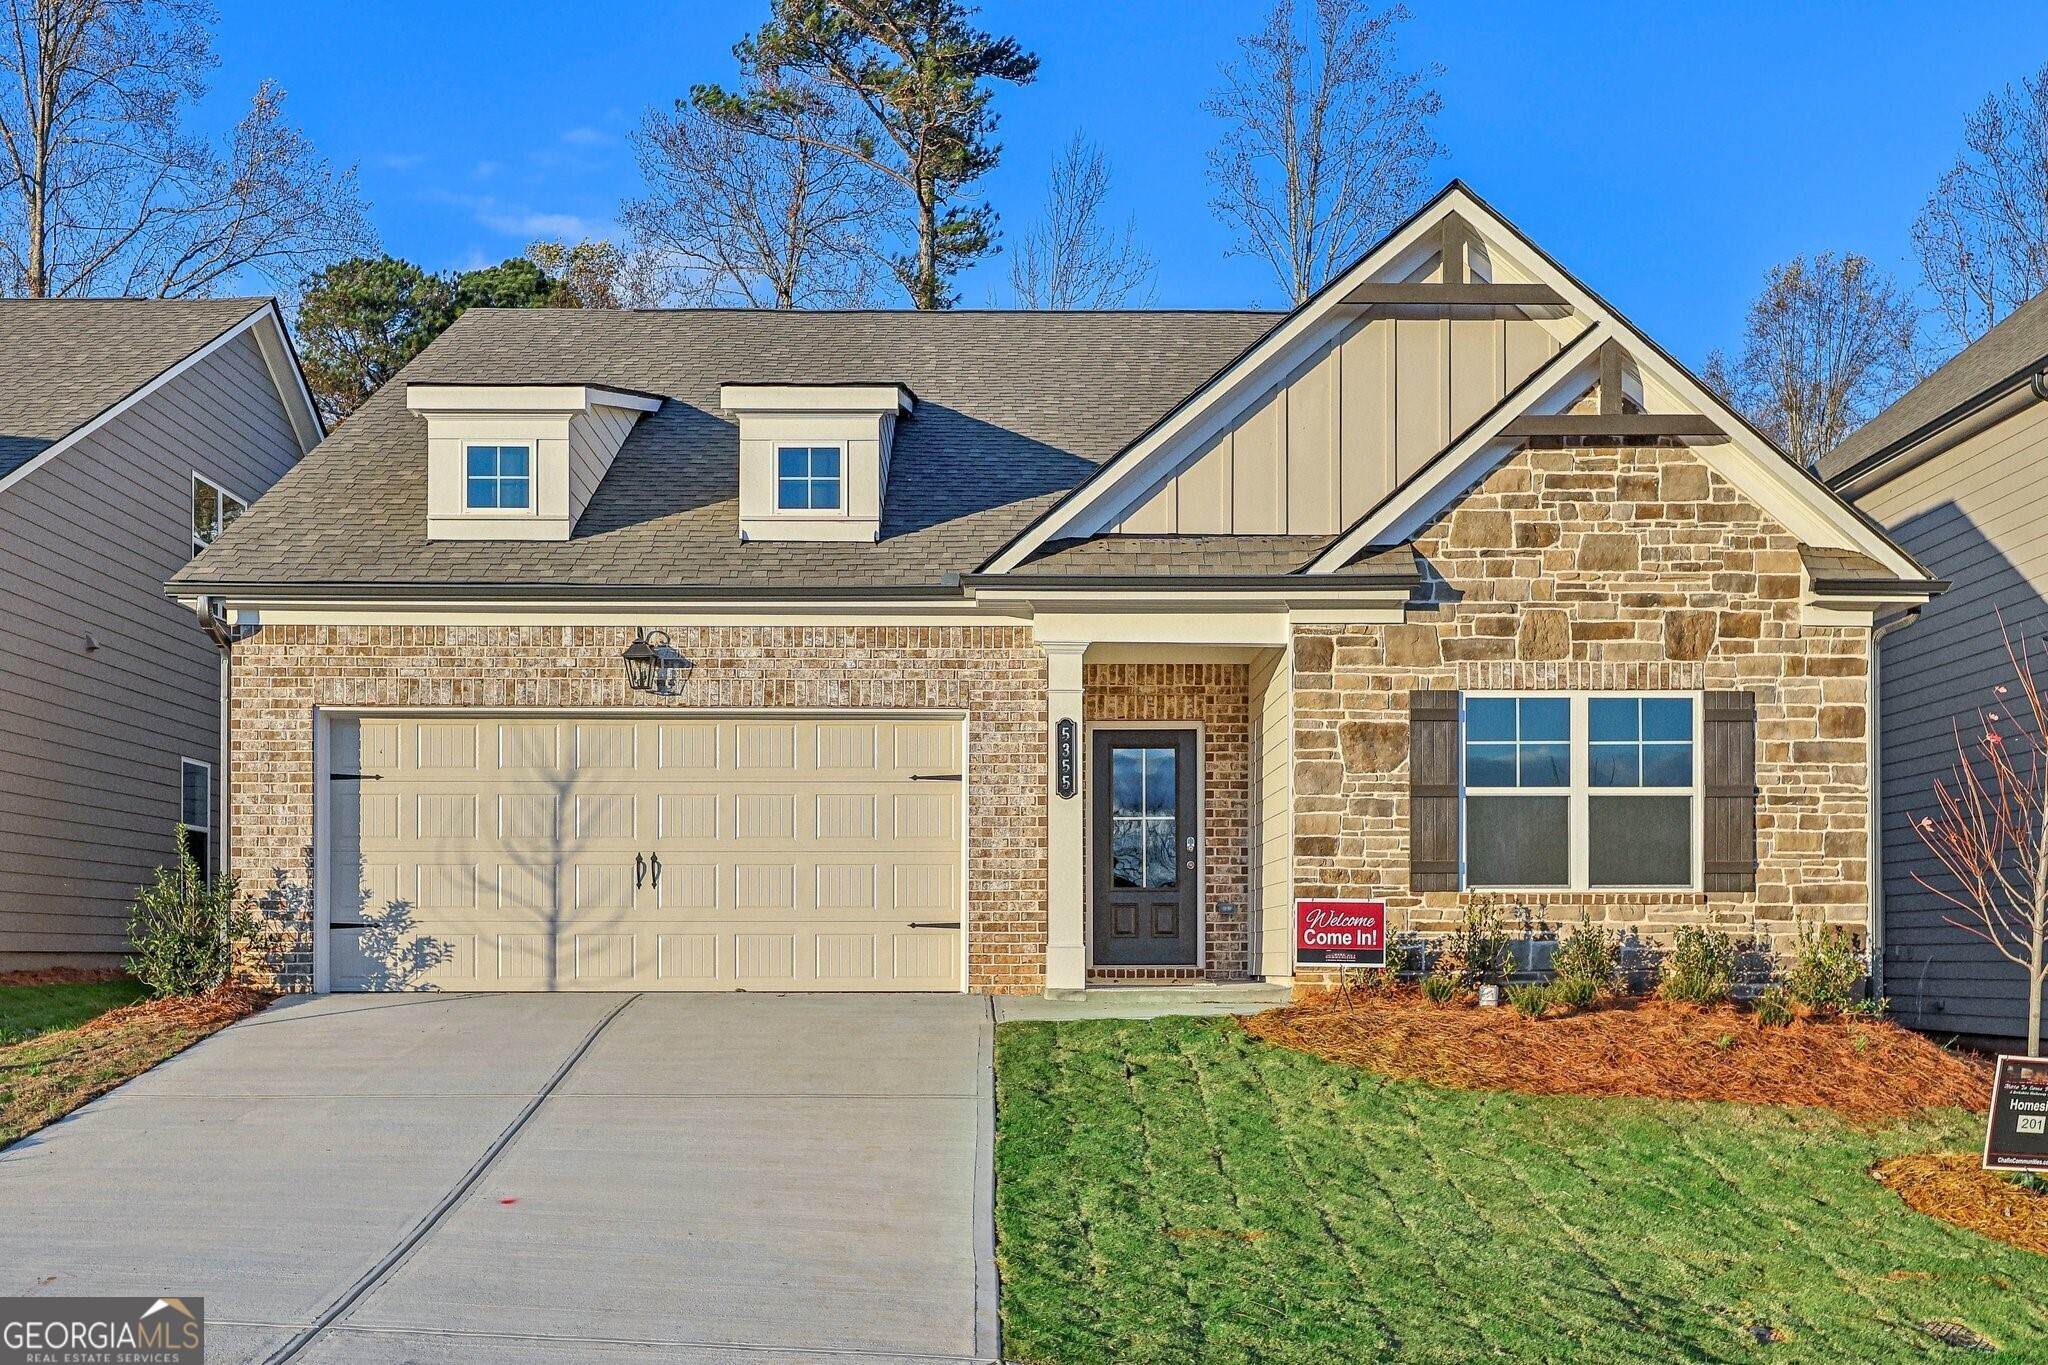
{"x": 1668, "y": 154}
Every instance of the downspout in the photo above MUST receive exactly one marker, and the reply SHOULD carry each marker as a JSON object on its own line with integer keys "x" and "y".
{"x": 223, "y": 637}
{"x": 1874, "y": 765}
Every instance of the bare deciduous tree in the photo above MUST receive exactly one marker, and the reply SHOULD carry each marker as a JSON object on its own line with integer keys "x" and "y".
{"x": 1071, "y": 258}
{"x": 1828, "y": 343}
{"x": 1328, "y": 138}
{"x": 598, "y": 274}
{"x": 1990, "y": 833}
{"x": 1982, "y": 237}
{"x": 101, "y": 189}
{"x": 754, "y": 219}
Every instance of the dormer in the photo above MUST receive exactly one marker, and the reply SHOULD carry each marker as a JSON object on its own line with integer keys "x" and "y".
{"x": 814, "y": 458}
{"x": 518, "y": 461}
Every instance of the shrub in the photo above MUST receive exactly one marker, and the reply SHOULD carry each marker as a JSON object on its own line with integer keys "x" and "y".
{"x": 1774, "y": 1007}
{"x": 1441, "y": 989}
{"x": 1591, "y": 955}
{"x": 1576, "y": 993}
{"x": 184, "y": 928}
{"x": 1530, "y": 1000}
{"x": 1825, "y": 968}
{"x": 1482, "y": 947}
{"x": 1700, "y": 968}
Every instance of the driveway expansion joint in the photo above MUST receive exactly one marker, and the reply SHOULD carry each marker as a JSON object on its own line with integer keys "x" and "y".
{"x": 420, "y": 1231}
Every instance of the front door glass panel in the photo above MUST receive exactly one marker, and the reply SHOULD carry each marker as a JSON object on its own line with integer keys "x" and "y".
{"x": 1144, "y": 818}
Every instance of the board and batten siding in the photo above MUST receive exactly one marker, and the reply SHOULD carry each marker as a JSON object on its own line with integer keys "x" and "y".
{"x": 1974, "y": 514}
{"x": 1345, "y": 427}
{"x": 91, "y": 739}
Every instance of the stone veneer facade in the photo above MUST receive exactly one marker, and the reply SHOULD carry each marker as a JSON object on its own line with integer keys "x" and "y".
{"x": 1218, "y": 698}
{"x": 1597, "y": 570}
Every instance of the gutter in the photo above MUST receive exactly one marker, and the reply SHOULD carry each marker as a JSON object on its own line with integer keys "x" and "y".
{"x": 1874, "y": 760}
{"x": 1289, "y": 583}
{"x": 1879, "y": 587}
{"x": 2033, "y": 377}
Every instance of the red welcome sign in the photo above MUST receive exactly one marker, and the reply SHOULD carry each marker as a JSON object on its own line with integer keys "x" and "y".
{"x": 1340, "y": 933}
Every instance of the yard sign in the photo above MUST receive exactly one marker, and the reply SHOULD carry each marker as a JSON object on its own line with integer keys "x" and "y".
{"x": 2016, "y": 1136}
{"x": 1340, "y": 933}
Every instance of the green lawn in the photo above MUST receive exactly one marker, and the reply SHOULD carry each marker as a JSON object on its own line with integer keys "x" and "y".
{"x": 1175, "y": 1190}
{"x": 26, "y": 1011}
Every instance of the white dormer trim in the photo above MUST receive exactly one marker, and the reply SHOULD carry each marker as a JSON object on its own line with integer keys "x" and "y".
{"x": 857, "y": 420}
{"x": 1499, "y": 254}
{"x": 571, "y": 431}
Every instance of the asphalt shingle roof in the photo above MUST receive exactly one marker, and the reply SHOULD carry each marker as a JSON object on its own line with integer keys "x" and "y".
{"x": 63, "y": 362}
{"x": 1013, "y": 410}
{"x": 2018, "y": 343}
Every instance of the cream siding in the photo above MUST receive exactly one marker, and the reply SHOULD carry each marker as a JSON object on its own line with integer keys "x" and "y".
{"x": 1272, "y": 694}
{"x": 1325, "y": 445}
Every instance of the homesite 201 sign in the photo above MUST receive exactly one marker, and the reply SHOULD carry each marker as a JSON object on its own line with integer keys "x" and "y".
{"x": 1340, "y": 933}
{"x": 2016, "y": 1139}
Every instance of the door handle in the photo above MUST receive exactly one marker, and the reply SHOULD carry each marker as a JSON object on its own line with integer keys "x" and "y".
{"x": 655, "y": 859}
{"x": 639, "y": 870}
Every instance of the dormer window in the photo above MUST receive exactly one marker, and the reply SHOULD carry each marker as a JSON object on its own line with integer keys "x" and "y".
{"x": 500, "y": 478}
{"x": 808, "y": 479}
{"x": 814, "y": 458}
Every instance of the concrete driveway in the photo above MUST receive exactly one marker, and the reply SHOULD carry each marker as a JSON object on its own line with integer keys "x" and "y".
{"x": 536, "y": 1178}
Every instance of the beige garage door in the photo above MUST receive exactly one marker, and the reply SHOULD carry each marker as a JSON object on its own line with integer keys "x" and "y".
{"x": 563, "y": 853}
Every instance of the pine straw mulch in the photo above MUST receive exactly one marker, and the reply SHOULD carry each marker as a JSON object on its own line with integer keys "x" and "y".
{"x": 1865, "y": 1069}
{"x": 1954, "y": 1187}
{"x": 61, "y": 976}
{"x": 50, "y": 1075}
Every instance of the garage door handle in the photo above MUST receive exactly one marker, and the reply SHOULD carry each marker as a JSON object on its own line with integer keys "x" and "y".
{"x": 639, "y": 870}
{"x": 935, "y": 777}
{"x": 935, "y": 924}
{"x": 355, "y": 777}
{"x": 655, "y": 860}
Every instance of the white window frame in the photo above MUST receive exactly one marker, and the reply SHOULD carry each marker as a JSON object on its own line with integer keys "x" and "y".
{"x": 221, "y": 497}
{"x": 532, "y": 449}
{"x": 184, "y": 824}
{"x": 838, "y": 513}
{"x": 1578, "y": 795}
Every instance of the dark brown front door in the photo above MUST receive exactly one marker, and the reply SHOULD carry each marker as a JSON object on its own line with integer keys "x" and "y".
{"x": 1147, "y": 848}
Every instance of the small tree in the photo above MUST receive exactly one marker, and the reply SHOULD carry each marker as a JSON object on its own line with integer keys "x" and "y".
{"x": 1071, "y": 258}
{"x": 1990, "y": 835}
{"x": 184, "y": 928}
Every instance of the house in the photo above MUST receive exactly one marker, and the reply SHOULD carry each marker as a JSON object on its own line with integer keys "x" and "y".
{"x": 1014, "y": 651}
{"x": 131, "y": 432}
{"x": 1953, "y": 469}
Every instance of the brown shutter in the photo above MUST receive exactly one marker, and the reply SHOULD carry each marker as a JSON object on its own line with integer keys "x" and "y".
{"x": 1433, "y": 721}
{"x": 1730, "y": 755}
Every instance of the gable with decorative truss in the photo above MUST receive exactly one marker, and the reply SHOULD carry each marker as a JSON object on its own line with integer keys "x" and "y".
{"x": 1375, "y": 404}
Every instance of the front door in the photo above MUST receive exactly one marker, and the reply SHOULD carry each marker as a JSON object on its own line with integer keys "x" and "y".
{"x": 1147, "y": 849}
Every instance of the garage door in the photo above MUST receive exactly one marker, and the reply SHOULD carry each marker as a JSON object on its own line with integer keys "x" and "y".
{"x": 562, "y": 853}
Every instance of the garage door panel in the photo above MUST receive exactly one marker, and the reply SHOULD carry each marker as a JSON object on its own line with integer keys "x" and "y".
{"x": 701, "y": 853}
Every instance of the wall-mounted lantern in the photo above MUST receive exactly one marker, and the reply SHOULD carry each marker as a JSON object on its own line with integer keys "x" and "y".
{"x": 652, "y": 664}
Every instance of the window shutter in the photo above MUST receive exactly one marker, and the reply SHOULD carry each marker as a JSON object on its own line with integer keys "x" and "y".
{"x": 1730, "y": 815}
{"x": 1433, "y": 813}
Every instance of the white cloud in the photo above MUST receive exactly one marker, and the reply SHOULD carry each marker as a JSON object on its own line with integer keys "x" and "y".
{"x": 401, "y": 161}
{"x": 588, "y": 137}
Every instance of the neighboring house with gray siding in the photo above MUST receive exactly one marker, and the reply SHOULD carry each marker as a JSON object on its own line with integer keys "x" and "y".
{"x": 1955, "y": 471}
{"x": 131, "y": 432}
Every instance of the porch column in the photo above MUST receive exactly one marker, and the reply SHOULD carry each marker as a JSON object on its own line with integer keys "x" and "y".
{"x": 1066, "y": 887}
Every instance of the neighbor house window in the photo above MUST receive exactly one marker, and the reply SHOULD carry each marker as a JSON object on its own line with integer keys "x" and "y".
{"x": 1581, "y": 792}
{"x": 807, "y": 479}
{"x": 214, "y": 509}
{"x": 195, "y": 809}
{"x": 500, "y": 478}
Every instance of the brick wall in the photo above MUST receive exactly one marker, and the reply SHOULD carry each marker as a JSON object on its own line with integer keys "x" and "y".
{"x": 1218, "y": 696}
{"x": 1596, "y": 570}
{"x": 993, "y": 673}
